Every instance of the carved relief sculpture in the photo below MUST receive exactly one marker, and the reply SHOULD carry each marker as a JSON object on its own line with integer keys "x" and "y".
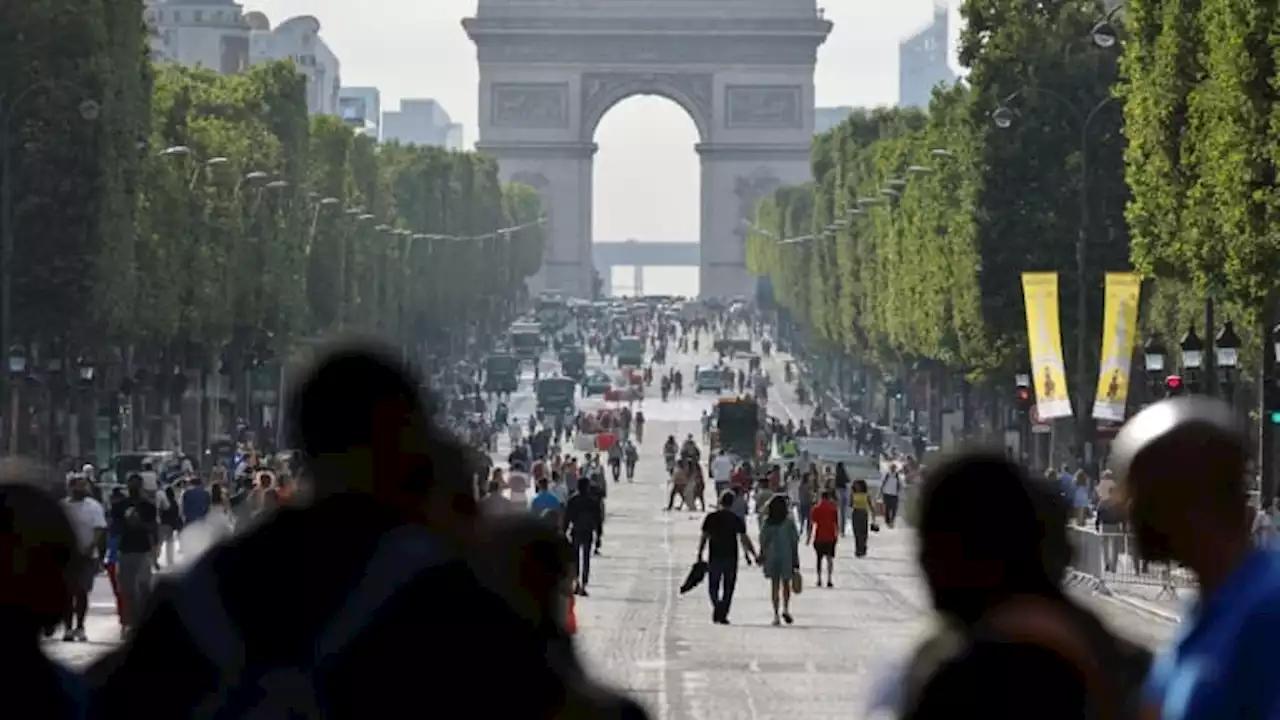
{"x": 601, "y": 90}
{"x": 763, "y": 107}
{"x": 530, "y": 105}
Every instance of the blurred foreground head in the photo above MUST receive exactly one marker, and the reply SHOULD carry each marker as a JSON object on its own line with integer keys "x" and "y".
{"x": 988, "y": 531}
{"x": 38, "y": 552}
{"x": 1182, "y": 462}
{"x": 363, "y": 426}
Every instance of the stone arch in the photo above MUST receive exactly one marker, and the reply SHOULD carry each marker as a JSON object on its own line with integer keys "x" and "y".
{"x": 691, "y": 91}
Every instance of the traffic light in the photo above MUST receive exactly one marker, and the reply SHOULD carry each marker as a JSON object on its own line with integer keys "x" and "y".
{"x": 1022, "y": 398}
{"x": 1173, "y": 386}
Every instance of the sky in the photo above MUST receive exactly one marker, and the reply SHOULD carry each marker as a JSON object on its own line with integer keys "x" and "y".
{"x": 417, "y": 49}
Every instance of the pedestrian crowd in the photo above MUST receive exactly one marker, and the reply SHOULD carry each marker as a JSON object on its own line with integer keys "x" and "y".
{"x": 308, "y": 610}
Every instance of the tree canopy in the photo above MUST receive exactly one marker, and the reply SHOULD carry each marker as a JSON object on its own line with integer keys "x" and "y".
{"x": 216, "y": 215}
{"x": 923, "y": 221}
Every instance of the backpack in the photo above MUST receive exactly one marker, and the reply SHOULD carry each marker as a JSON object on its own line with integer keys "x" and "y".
{"x": 271, "y": 693}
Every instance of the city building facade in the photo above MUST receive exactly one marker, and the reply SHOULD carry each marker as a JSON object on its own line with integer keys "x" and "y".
{"x": 361, "y": 108}
{"x": 422, "y": 122}
{"x": 220, "y": 36}
{"x": 211, "y": 34}
{"x": 924, "y": 60}
{"x": 298, "y": 39}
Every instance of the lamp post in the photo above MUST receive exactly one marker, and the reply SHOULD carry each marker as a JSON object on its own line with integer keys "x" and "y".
{"x": 17, "y": 367}
{"x": 1226, "y": 355}
{"x": 1004, "y": 118}
{"x": 1269, "y": 413}
{"x": 1153, "y": 355}
{"x": 89, "y": 110}
{"x": 1192, "y": 348}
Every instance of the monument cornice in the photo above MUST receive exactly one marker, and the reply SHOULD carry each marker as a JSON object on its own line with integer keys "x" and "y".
{"x": 665, "y": 49}
{"x": 752, "y": 151}
{"x": 539, "y": 150}
{"x": 817, "y": 28}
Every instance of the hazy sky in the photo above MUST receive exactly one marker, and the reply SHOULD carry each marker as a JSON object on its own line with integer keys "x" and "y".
{"x": 417, "y": 48}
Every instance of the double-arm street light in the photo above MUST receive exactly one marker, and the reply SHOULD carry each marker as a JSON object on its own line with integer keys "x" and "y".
{"x": 1103, "y": 36}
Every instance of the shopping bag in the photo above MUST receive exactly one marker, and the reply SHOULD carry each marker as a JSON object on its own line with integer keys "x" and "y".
{"x": 604, "y": 441}
{"x": 797, "y": 583}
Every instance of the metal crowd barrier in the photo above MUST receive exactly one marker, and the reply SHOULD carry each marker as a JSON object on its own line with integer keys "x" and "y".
{"x": 1112, "y": 558}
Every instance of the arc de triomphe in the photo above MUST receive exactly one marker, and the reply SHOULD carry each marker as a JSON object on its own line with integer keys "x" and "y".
{"x": 742, "y": 69}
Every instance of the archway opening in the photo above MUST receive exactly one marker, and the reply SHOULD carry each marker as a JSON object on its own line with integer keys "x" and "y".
{"x": 647, "y": 187}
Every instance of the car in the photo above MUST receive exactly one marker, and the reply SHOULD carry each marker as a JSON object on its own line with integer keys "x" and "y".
{"x": 708, "y": 380}
{"x": 598, "y": 383}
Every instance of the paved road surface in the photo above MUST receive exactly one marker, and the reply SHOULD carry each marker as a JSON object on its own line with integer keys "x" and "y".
{"x": 638, "y": 633}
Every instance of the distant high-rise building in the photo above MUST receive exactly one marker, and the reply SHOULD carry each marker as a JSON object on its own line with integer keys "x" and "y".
{"x": 361, "y": 108}
{"x": 827, "y": 118}
{"x": 422, "y": 122}
{"x": 211, "y": 34}
{"x": 299, "y": 39}
{"x": 219, "y": 35}
{"x": 924, "y": 60}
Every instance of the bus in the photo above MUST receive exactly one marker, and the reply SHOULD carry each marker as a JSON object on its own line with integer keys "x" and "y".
{"x": 526, "y": 340}
{"x": 630, "y": 352}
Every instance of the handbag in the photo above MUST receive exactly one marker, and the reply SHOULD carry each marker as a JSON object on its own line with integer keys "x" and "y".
{"x": 797, "y": 583}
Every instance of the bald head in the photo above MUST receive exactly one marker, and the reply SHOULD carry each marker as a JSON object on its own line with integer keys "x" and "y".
{"x": 1195, "y": 441}
{"x": 1182, "y": 463}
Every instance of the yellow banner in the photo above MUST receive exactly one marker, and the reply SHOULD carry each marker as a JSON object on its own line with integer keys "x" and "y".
{"x": 1119, "y": 336}
{"x": 1044, "y": 340}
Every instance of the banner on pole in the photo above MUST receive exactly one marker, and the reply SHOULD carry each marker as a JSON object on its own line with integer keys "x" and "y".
{"x": 1119, "y": 336}
{"x": 1044, "y": 341}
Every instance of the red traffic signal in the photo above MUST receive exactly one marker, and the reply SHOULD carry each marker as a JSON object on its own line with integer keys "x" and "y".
{"x": 1022, "y": 397}
{"x": 1173, "y": 385}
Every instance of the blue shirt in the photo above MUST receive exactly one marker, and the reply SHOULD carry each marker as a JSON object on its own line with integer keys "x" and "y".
{"x": 195, "y": 503}
{"x": 543, "y": 502}
{"x": 1222, "y": 664}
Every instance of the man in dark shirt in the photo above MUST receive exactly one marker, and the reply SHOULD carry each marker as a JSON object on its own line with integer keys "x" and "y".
{"x": 723, "y": 530}
{"x": 135, "y": 521}
{"x": 583, "y": 517}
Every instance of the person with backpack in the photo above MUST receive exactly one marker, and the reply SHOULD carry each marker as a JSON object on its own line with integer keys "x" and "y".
{"x": 387, "y": 565}
{"x": 994, "y": 562}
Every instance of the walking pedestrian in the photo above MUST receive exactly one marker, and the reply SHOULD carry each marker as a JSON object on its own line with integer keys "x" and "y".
{"x": 842, "y": 496}
{"x": 823, "y": 532}
{"x": 722, "y": 533}
{"x": 863, "y": 516}
{"x": 890, "y": 489}
{"x": 780, "y": 556}
{"x": 89, "y": 521}
{"x": 582, "y": 518}
{"x": 135, "y": 519}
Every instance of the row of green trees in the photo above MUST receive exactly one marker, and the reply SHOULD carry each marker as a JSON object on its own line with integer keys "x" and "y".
{"x": 918, "y": 224}
{"x": 198, "y": 212}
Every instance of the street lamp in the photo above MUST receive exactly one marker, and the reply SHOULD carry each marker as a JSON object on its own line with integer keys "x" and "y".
{"x": 942, "y": 153}
{"x": 896, "y": 183}
{"x": 870, "y": 201}
{"x": 919, "y": 170}
{"x": 1227, "y": 347}
{"x": 1104, "y": 33}
{"x": 176, "y": 151}
{"x": 1192, "y": 350}
{"x": 85, "y": 369}
{"x": 1003, "y": 117}
{"x": 17, "y": 360}
{"x": 1153, "y": 353}
{"x": 277, "y": 184}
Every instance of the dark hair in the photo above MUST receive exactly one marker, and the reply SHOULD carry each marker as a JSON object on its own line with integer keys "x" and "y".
{"x": 842, "y": 475}
{"x": 339, "y": 402}
{"x": 1000, "y": 512}
{"x": 860, "y": 486}
{"x": 727, "y": 498}
{"x": 776, "y": 512}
